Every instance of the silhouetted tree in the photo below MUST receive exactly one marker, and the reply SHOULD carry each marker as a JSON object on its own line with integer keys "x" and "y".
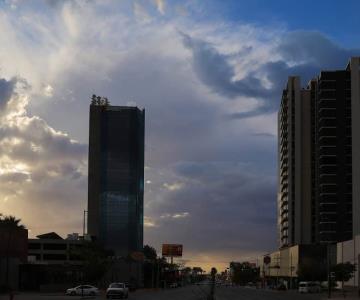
{"x": 95, "y": 260}
{"x": 343, "y": 272}
{"x": 150, "y": 266}
{"x": 149, "y": 252}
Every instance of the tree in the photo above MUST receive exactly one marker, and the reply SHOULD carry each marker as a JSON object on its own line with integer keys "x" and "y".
{"x": 9, "y": 224}
{"x": 198, "y": 270}
{"x": 95, "y": 260}
{"x": 343, "y": 272}
{"x": 150, "y": 266}
{"x": 150, "y": 252}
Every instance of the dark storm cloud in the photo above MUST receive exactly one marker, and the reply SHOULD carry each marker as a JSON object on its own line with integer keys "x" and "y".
{"x": 13, "y": 178}
{"x": 6, "y": 90}
{"x": 303, "y": 54}
{"x": 231, "y": 206}
{"x": 214, "y": 70}
{"x": 314, "y": 48}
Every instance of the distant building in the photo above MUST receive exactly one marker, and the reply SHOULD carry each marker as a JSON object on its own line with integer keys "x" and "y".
{"x": 50, "y": 248}
{"x": 319, "y": 158}
{"x": 116, "y": 177}
{"x": 53, "y": 263}
{"x": 293, "y": 264}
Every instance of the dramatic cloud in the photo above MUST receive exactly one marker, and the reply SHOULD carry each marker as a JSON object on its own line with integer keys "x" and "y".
{"x": 211, "y": 92}
{"x": 42, "y": 171}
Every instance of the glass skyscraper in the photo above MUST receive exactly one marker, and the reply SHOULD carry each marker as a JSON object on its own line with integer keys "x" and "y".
{"x": 116, "y": 177}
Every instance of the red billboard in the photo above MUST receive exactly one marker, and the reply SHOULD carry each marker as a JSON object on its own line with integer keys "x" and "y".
{"x": 172, "y": 250}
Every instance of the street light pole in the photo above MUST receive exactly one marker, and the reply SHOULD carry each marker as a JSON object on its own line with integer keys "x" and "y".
{"x": 84, "y": 222}
{"x": 290, "y": 270}
{"x": 329, "y": 270}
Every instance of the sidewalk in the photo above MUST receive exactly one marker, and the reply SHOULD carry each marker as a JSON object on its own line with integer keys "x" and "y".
{"x": 349, "y": 295}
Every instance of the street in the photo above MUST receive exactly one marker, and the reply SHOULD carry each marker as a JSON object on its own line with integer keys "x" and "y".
{"x": 192, "y": 292}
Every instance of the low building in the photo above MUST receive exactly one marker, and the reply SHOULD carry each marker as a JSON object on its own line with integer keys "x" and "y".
{"x": 50, "y": 248}
{"x": 52, "y": 263}
{"x": 295, "y": 263}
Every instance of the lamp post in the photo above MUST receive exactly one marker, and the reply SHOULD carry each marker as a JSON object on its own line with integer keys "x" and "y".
{"x": 84, "y": 223}
{"x": 329, "y": 269}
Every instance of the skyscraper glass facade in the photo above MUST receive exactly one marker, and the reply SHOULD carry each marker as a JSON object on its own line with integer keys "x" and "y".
{"x": 116, "y": 177}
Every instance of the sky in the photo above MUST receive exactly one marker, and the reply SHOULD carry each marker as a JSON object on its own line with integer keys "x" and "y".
{"x": 209, "y": 75}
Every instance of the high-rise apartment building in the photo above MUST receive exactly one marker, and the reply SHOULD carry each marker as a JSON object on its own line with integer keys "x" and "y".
{"x": 294, "y": 195}
{"x": 116, "y": 177}
{"x": 319, "y": 158}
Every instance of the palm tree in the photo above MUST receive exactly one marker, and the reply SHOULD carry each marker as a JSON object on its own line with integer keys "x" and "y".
{"x": 9, "y": 224}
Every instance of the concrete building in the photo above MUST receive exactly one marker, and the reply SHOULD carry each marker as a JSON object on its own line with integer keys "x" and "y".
{"x": 50, "y": 248}
{"x": 295, "y": 166}
{"x": 53, "y": 263}
{"x": 293, "y": 264}
{"x": 319, "y": 158}
{"x": 116, "y": 177}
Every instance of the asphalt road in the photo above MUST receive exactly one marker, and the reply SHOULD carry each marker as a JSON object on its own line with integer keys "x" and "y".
{"x": 188, "y": 293}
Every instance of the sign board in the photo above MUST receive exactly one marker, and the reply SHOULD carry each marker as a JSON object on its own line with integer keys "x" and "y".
{"x": 172, "y": 250}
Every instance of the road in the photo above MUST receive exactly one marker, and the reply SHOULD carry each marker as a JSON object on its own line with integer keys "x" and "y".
{"x": 188, "y": 293}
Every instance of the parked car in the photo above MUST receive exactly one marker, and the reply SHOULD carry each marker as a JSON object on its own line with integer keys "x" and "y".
{"x": 87, "y": 290}
{"x": 117, "y": 290}
{"x": 281, "y": 287}
{"x": 173, "y": 285}
{"x": 309, "y": 287}
{"x": 250, "y": 285}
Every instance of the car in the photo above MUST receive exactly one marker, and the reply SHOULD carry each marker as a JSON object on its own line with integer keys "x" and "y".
{"x": 173, "y": 285}
{"x": 87, "y": 290}
{"x": 250, "y": 285}
{"x": 117, "y": 290}
{"x": 309, "y": 287}
{"x": 281, "y": 287}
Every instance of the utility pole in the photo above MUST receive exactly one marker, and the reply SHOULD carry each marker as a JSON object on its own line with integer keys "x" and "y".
{"x": 329, "y": 270}
{"x": 358, "y": 270}
{"x": 212, "y": 286}
{"x": 84, "y": 222}
{"x": 290, "y": 285}
{"x": 158, "y": 274}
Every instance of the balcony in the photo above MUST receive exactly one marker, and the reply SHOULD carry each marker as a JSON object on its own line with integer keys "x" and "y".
{"x": 327, "y": 131}
{"x": 328, "y": 160}
{"x": 327, "y": 140}
{"x": 327, "y": 150}
{"x": 327, "y": 103}
{"x": 328, "y": 122}
{"x": 327, "y": 113}
{"x": 327, "y": 93}
{"x": 328, "y": 179}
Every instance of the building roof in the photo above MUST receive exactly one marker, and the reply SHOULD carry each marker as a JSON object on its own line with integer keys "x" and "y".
{"x": 49, "y": 236}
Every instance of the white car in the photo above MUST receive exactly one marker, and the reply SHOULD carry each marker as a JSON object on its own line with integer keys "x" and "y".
{"x": 117, "y": 290}
{"x": 87, "y": 290}
{"x": 173, "y": 285}
{"x": 309, "y": 287}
